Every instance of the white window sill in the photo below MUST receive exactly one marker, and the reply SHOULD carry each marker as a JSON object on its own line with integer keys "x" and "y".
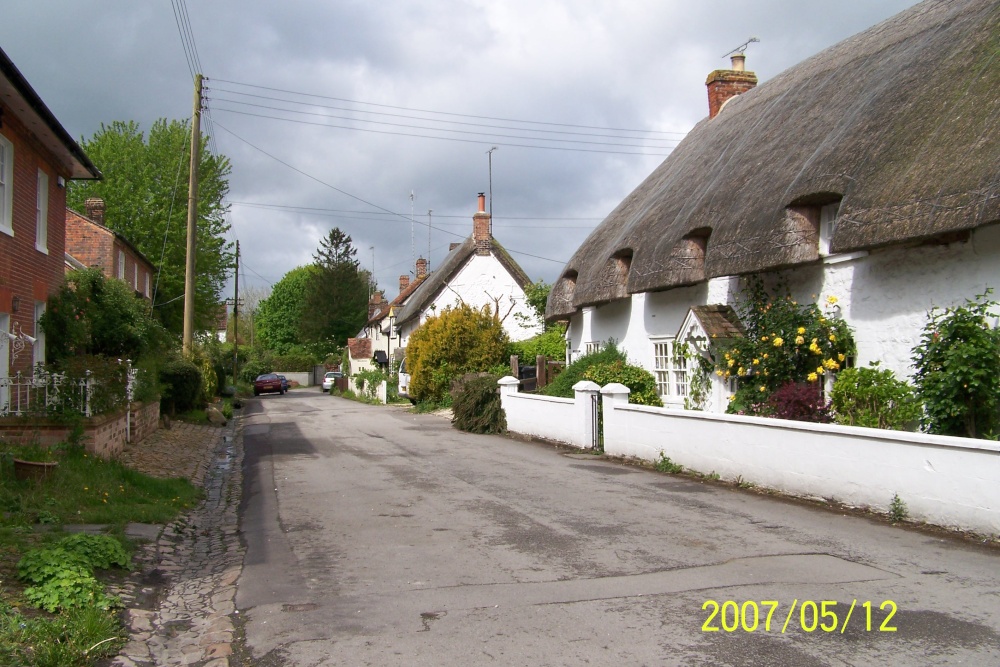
{"x": 42, "y": 249}
{"x": 9, "y": 231}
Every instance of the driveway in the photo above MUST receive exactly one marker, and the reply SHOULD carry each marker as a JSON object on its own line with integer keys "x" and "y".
{"x": 379, "y": 537}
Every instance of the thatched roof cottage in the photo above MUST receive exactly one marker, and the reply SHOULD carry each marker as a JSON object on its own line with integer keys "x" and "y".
{"x": 869, "y": 172}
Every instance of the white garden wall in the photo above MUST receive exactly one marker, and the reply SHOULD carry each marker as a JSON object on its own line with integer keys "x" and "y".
{"x": 564, "y": 420}
{"x": 945, "y": 481}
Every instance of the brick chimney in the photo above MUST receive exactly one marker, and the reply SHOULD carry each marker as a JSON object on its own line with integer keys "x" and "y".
{"x": 421, "y": 267}
{"x": 374, "y": 304}
{"x": 482, "y": 233}
{"x": 95, "y": 209}
{"x": 724, "y": 84}
{"x": 404, "y": 282}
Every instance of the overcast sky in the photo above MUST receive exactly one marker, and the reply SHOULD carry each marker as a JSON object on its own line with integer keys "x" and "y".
{"x": 332, "y": 113}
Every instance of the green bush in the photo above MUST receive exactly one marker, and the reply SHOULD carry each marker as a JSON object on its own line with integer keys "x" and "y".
{"x": 256, "y": 365}
{"x": 551, "y": 344}
{"x": 563, "y": 384}
{"x": 460, "y": 340}
{"x": 957, "y": 374}
{"x": 181, "y": 382}
{"x": 476, "y": 405}
{"x": 641, "y": 383}
{"x": 63, "y": 574}
{"x": 874, "y": 398}
{"x": 295, "y": 360}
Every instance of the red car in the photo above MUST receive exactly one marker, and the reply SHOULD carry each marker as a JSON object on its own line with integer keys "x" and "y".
{"x": 268, "y": 382}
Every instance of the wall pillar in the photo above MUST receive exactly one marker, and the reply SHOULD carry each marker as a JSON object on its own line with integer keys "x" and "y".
{"x": 585, "y": 394}
{"x": 613, "y": 396}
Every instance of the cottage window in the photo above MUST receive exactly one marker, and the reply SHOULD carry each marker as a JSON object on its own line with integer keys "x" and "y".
{"x": 135, "y": 276}
{"x": 6, "y": 186}
{"x": 670, "y": 367}
{"x": 591, "y": 347}
{"x": 146, "y": 290}
{"x": 121, "y": 265}
{"x": 42, "y": 213}
{"x": 827, "y": 226}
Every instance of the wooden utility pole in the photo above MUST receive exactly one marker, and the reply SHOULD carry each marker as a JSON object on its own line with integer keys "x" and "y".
{"x": 192, "y": 220}
{"x": 236, "y": 316}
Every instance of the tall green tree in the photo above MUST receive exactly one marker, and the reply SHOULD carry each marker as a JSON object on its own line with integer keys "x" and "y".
{"x": 278, "y": 317}
{"x": 145, "y": 190}
{"x": 337, "y": 293}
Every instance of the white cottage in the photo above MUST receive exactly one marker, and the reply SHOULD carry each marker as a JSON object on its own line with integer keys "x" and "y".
{"x": 870, "y": 173}
{"x": 478, "y": 272}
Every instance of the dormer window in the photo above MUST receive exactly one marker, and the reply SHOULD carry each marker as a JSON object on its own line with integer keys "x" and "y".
{"x": 827, "y": 226}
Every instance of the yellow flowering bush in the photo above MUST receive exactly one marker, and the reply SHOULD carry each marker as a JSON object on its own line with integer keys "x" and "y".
{"x": 786, "y": 342}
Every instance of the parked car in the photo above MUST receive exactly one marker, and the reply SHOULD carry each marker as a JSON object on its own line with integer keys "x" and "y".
{"x": 267, "y": 383}
{"x": 284, "y": 382}
{"x": 329, "y": 380}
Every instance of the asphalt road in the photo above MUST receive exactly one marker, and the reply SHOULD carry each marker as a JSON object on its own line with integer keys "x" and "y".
{"x": 379, "y": 537}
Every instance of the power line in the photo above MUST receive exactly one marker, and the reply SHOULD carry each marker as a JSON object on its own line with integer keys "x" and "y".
{"x": 432, "y": 120}
{"x": 437, "y": 129}
{"x": 335, "y": 210}
{"x": 468, "y": 141}
{"x": 446, "y": 113}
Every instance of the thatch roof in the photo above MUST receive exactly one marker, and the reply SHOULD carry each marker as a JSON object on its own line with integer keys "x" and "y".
{"x": 438, "y": 280}
{"x": 899, "y": 123}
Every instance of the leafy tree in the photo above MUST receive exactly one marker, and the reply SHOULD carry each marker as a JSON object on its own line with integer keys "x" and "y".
{"x": 537, "y": 294}
{"x": 278, "y": 316}
{"x": 337, "y": 292}
{"x": 93, "y": 315}
{"x": 958, "y": 370}
{"x": 460, "y": 340}
{"x": 145, "y": 190}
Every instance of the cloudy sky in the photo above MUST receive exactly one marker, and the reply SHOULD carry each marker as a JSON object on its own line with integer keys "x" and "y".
{"x": 333, "y": 113}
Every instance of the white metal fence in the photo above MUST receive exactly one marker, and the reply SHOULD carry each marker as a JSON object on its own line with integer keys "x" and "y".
{"x": 44, "y": 392}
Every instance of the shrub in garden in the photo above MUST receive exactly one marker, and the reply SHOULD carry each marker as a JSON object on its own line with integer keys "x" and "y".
{"x": 476, "y": 404}
{"x": 784, "y": 342}
{"x": 460, "y": 340}
{"x": 573, "y": 373}
{"x": 258, "y": 364}
{"x": 62, "y": 575}
{"x": 181, "y": 383}
{"x": 957, "y": 374}
{"x": 641, "y": 383}
{"x": 799, "y": 401}
{"x": 875, "y": 398}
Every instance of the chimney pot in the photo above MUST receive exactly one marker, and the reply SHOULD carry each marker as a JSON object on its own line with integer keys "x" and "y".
{"x": 482, "y": 234}
{"x": 482, "y": 202}
{"x": 725, "y": 84}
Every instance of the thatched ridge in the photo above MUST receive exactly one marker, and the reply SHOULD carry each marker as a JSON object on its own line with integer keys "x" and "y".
{"x": 898, "y": 123}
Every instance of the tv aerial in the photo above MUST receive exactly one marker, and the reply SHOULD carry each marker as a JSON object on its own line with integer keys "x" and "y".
{"x": 741, "y": 48}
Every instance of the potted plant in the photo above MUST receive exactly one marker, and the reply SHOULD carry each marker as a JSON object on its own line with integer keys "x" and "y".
{"x": 34, "y": 462}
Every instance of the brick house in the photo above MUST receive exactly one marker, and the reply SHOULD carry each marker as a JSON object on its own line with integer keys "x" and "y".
{"x": 866, "y": 173}
{"x": 92, "y": 244}
{"x": 37, "y": 157}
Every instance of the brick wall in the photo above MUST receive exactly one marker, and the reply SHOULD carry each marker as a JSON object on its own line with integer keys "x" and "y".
{"x": 104, "y": 436}
{"x": 25, "y": 272}
{"x": 95, "y": 245}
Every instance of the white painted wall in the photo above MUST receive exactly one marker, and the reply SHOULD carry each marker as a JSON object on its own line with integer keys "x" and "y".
{"x": 945, "y": 481}
{"x": 304, "y": 379}
{"x": 481, "y": 280}
{"x": 565, "y": 420}
{"x": 884, "y": 296}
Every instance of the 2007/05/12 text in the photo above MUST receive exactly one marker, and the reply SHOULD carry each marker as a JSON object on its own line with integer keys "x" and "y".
{"x": 750, "y": 616}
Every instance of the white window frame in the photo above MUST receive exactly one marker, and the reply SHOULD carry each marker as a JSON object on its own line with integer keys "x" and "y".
{"x": 670, "y": 370}
{"x": 591, "y": 346}
{"x": 121, "y": 265}
{"x": 135, "y": 276}
{"x": 38, "y": 349}
{"x": 827, "y": 226}
{"x": 42, "y": 212}
{"x": 147, "y": 284}
{"x": 6, "y": 186}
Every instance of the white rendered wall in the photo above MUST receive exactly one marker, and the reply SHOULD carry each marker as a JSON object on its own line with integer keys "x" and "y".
{"x": 884, "y": 296}
{"x": 946, "y": 481}
{"x": 566, "y": 420}
{"x": 481, "y": 281}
